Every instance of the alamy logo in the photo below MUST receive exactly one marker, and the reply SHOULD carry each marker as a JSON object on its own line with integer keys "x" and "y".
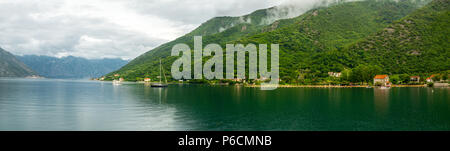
{"x": 213, "y": 67}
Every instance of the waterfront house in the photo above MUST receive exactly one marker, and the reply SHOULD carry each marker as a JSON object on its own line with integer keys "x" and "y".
{"x": 116, "y": 75}
{"x": 102, "y": 78}
{"x": 415, "y": 79}
{"x": 147, "y": 80}
{"x": 237, "y": 80}
{"x": 430, "y": 79}
{"x": 121, "y": 79}
{"x": 383, "y": 79}
{"x": 334, "y": 74}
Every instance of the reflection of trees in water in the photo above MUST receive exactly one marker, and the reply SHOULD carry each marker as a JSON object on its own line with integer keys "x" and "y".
{"x": 148, "y": 95}
{"x": 148, "y": 107}
{"x": 201, "y": 107}
{"x": 430, "y": 94}
{"x": 158, "y": 95}
{"x": 194, "y": 105}
{"x": 415, "y": 97}
{"x": 335, "y": 96}
{"x": 381, "y": 100}
{"x": 437, "y": 96}
{"x": 237, "y": 91}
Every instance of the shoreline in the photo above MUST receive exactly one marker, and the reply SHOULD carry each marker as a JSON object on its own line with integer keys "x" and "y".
{"x": 335, "y": 86}
{"x": 292, "y": 86}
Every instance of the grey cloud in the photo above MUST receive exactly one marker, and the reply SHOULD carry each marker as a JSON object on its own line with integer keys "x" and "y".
{"x": 198, "y": 11}
{"x": 108, "y": 28}
{"x": 62, "y": 35}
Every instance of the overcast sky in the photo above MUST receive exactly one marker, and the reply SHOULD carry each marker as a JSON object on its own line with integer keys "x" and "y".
{"x": 107, "y": 28}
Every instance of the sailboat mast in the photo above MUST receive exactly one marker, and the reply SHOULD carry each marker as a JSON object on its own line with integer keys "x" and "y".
{"x": 160, "y": 67}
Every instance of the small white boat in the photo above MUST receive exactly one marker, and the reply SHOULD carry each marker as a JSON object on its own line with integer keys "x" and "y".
{"x": 116, "y": 82}
{"x": 385, "y": 87}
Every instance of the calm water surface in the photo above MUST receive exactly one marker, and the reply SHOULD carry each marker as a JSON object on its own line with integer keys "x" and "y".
{"x": 27, "y": 104}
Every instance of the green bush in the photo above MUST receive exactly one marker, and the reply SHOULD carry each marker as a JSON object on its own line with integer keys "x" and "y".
{"x": 378, "y": 84}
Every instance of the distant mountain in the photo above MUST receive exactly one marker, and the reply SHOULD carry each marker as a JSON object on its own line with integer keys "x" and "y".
{"x": 71, "y": 67}
{"x": 11, "y": 67}
{"x": 312, "y": 41}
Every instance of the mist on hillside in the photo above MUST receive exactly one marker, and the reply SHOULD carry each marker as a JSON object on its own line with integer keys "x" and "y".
{"x": 294, "y": 8}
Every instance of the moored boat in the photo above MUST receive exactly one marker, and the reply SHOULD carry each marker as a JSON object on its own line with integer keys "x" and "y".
{"x": 156, "y": 85}
{"x": 160, "y": 84}
{"x": 116, "y": 82}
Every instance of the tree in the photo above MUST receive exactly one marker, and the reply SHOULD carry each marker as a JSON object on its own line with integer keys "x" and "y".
{"x": 395, "y": 79}
{"x": 365, "y": 73}
{"x": 436, "y": 78}
{"x": 404, "y": 78}
{"x": 357, "y": 74}
{"x": 287, "y": 79}
{"x": 372, "y": 71}
{"x": 346, "y": 74}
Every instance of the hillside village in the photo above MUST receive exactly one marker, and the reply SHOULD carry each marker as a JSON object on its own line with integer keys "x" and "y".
{"x": 334, "y": 79}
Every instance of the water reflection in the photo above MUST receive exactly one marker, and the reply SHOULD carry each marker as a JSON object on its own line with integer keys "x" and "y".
{"x": 381, "y": 101}
{"x": 69, "y": 105}
{"x": 156, "y": 114}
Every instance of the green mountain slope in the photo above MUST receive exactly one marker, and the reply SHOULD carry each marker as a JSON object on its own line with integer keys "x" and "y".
{"x": 418, "y": 43}
{"x": 313, "y": 42}
{"x": 11, "y": 67}
{"x": 310, "y": 42}
{"x": 217, "y": 30}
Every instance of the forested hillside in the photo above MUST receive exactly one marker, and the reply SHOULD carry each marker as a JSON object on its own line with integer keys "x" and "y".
{"x": 418, "y": 43}
{"x": 373, "y": 36}
{"x": 310, "y": 45}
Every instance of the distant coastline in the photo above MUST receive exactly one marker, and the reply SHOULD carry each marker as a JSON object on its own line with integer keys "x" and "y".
{"x": 288, "y": 85}
{"x": 332, "y": 86}
{"x": 34, "y": 77}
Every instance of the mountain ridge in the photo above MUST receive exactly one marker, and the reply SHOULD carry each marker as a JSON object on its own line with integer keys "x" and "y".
{"x": 10, "y": 66}
{"x": 71, "y": 67}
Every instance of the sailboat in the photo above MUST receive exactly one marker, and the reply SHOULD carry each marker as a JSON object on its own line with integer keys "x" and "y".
{"x": 160, "y": 84}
